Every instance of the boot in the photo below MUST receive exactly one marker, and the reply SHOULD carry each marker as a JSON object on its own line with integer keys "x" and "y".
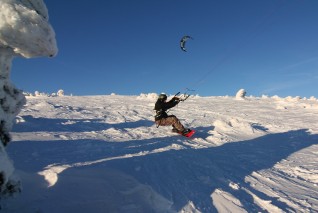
{"x": 186, "y": 131}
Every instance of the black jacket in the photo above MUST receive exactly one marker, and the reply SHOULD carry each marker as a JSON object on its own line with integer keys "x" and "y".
{"x": 161, "y": 107}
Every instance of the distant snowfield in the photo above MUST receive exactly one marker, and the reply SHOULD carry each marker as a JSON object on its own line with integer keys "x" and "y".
{"x": 104, "y": 154}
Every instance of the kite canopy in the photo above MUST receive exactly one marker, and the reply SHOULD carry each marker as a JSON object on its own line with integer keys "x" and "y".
{"x": 183, "y": 41}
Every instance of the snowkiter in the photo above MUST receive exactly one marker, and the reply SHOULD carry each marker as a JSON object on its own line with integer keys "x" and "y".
{"x": 163, "y": 119}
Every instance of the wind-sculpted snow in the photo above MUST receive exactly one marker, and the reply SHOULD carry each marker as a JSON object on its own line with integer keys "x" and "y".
{"x": 104, "y": 154}
{"x": 24, "y": 28}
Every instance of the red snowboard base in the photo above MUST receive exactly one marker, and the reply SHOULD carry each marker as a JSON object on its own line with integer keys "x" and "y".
{"x": 190, "y": 134}
{"x": 186, "y": 135}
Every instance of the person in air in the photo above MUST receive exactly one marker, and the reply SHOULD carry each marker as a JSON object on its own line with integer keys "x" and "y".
{"x": 163, "y": 119}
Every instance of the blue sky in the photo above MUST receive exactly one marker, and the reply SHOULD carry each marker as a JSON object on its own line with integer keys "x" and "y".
{"x": 132, "y": 47}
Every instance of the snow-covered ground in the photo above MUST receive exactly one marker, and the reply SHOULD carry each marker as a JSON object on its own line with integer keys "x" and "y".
{"x": 104, "y": 154}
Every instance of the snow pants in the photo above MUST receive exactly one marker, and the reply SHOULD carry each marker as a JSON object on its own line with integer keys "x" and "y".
{"x": 171, "y": 120}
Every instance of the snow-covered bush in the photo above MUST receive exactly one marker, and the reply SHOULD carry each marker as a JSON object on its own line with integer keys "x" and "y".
{"x": 288, "y": 98}
{"x": 276, "y": 97}
{"x": 27, "y": 94}
{"x": 240, "y": 95}
{"x": 41, "y": 94}
{"x": 148, "y": 96}
{"x": 292, "y": 99}
{"x": 60, "y": 92}
{"x": 195, "y": 96}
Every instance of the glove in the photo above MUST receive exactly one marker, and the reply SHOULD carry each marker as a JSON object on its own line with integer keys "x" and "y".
{"x": 176, "y": 100}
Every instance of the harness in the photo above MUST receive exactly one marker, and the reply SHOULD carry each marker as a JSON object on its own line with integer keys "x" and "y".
{"x": 159, "y": 115}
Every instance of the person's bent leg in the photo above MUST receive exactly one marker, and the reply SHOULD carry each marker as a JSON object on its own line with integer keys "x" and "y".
{"x": 174, "y": 121}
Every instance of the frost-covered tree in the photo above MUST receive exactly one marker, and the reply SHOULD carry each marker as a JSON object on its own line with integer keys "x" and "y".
{"x": 24, "y": 32}
{"x": 240, "y": 94}
{"x": 148, "y": 96}
{"x": 60, "y": 92}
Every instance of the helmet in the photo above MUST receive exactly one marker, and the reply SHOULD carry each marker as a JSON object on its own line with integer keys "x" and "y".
{"x": 162, "y": 97}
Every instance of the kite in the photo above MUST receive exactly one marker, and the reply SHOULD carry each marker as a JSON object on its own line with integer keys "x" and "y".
{"x": 183, "y": 41}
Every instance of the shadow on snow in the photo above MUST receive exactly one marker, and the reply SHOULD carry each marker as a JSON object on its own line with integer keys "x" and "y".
{"x": 178, "y": 175}
{"x": 32, "y": 124}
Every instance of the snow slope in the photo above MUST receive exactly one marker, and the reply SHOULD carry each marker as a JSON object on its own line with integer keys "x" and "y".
{"x": 104, "y": 154}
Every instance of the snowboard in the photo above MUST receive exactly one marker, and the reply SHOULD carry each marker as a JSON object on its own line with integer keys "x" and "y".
{"x": 186, "y": 135}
